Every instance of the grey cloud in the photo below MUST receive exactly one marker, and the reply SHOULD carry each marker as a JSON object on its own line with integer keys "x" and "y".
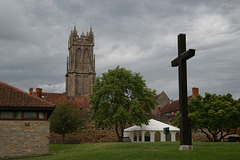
{"x": 138, "y": 35}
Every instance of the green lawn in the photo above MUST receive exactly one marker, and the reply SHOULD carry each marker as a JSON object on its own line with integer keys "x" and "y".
{"x": 142, "y": 151}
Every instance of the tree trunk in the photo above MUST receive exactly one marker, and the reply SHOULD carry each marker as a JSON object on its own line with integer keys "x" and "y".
{"x": 120, "y": 135}
{"x": 122, "y": 127}
{"x": 120, "y": 139}
{"x": 208, "y": 136}
{"x": 63, "y": 136}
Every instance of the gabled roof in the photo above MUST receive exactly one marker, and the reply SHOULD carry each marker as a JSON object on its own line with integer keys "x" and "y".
{"x": 173, "y": 106}
{"x": 153, "y": 125}
{"x": 11, "y": 97}
{"x": 160, "y": 97}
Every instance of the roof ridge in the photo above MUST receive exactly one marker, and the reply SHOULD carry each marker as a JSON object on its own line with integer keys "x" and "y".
{"x": 51, "y": 93}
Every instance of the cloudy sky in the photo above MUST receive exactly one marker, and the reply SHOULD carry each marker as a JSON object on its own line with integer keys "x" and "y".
{"x": 140, "y": 35}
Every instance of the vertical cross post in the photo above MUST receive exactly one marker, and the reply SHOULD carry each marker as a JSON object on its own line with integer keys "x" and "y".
{"x": 185, "y": 123}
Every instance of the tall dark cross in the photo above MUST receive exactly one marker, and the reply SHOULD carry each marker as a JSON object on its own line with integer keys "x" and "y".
{"x": 181, "y": 62}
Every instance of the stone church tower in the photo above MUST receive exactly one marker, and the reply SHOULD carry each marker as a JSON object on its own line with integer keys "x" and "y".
{"x": 81, "y": 73}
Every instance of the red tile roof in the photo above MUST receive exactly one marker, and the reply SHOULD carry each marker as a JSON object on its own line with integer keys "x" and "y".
{"x": 173, "y": 106}
{"x": 55, "y": 97}
{"x": 14, "y": 97}
{"x": 82, "y": 102}
{"x": 79, "y": 102}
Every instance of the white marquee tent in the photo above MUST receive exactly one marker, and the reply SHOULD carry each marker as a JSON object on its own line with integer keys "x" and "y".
{"x": 153, "y": 127}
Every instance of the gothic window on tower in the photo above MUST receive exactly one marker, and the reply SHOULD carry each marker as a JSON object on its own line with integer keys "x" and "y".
{"x": 86, "y": 53}
{"x": 78, "y": 52}
{"x": 78, "y": 59}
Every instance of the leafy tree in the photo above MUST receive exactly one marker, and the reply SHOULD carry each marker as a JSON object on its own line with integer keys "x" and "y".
{"x": 66, "y": 119}
{"x": 215, "y": 115}
{"x": 121, "y": 97}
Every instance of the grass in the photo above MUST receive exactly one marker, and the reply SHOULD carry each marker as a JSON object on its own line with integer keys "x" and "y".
{"x": 142, "y": 151}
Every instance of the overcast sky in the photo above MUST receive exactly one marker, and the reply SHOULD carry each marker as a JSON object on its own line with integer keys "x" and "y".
{"x": 140, "y": 35}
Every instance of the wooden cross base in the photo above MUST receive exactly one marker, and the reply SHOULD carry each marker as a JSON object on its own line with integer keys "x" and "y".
{"x": 185, "y": 147}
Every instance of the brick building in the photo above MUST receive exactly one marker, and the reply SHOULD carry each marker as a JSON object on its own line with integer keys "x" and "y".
{"x": 173, "y": 107}
{"x": 24, "y": 125}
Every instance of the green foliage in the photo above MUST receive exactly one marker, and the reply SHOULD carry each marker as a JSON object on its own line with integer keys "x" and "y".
{"x": 177, "y": 121}
{"x": 218, "y": 114}
{"x": 121, "y": 97}
{"x": 66, "y": 119}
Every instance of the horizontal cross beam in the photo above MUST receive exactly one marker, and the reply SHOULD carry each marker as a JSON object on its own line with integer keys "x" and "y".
{"x": 184, "y": 56}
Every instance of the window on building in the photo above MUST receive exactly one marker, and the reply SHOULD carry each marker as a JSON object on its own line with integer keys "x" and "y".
{"x": 30, "y": 115}
{"x": 6, "y": 115}
{"x": 21, "y": 115}
{"x": 41, "y": 115}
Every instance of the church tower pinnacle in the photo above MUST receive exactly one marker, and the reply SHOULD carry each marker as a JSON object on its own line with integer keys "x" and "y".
{"x": 81, "y": 73}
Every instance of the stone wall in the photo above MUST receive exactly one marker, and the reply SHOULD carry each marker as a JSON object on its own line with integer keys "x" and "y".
{"x": 169, "y": 119}
{"x": 88, "y": 134}
{"x": 198, "y": 136}
{"x": 24, "y": 137}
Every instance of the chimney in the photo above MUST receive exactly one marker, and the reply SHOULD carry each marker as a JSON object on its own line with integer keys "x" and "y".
{"x": 31, "y": 91}
{"x": 195, "y": 92}
{"x": 39, "y": 92}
